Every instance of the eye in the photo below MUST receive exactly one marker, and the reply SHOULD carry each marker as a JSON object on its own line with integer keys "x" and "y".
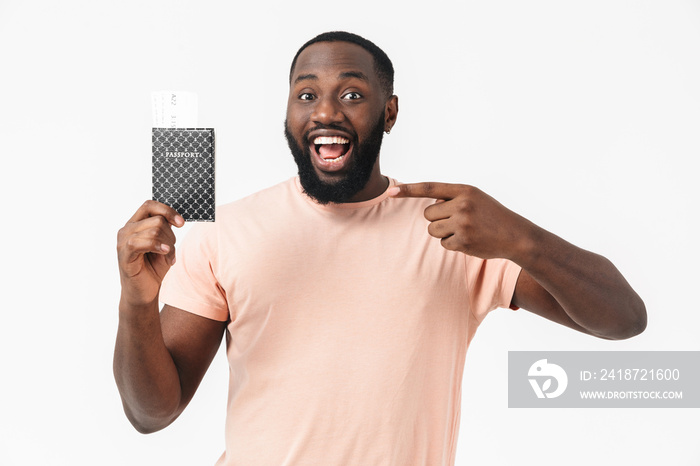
{"x": 352, "y": 96}
{"x": 306, "y": 96}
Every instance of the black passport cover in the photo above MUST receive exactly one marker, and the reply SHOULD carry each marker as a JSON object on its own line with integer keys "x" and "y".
{"x": 183, "y": 171}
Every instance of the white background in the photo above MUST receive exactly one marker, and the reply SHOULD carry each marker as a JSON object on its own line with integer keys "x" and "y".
{"x": 581, "y": 116}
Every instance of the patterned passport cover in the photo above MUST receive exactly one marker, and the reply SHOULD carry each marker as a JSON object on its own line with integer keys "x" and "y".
{"x": 183, "y": 171}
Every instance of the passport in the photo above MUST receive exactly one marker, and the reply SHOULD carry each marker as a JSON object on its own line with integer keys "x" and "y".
{"x": 183, "y": 171}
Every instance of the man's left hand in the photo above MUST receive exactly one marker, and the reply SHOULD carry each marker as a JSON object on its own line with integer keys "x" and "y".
{"x": 468, "y": 220}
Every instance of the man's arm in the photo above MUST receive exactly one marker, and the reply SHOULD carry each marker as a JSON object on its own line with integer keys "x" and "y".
{"x": 559, "y": 281}
{"x": 159, "y": 358}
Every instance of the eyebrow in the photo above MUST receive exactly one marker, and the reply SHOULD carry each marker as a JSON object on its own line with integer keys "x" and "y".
{"x": 354, "y": 74}
{"x": 343, "y": 75}
{"x": 303, "y": 77}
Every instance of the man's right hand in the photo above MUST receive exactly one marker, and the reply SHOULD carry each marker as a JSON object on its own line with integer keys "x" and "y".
{"x": 146, "y": 251}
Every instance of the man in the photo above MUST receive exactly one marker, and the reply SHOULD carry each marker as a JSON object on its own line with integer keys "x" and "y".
{"x": 347, "y": 322}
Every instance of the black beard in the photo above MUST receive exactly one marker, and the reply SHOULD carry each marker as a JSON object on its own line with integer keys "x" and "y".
{"x": 364, "y": 157}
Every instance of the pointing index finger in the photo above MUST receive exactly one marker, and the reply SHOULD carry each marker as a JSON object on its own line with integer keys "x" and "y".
{"x": 432, "y": 190}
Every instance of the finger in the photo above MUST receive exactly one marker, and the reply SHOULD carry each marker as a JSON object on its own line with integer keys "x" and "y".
{"x": 431, "y": 189}
{"x": 450, "y": 243}
{"x": 140, "y": 245}
{"x": 439, "y": 210}
{"x": 155, "y": 239}
{"x": 441, "y": 229}
{"x": 170, "y": 255}
{"x": 154, "y": 208}
{"x": 155, "y": 226}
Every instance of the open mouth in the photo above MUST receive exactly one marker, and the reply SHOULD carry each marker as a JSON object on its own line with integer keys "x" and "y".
{"x": 331, "y": 149}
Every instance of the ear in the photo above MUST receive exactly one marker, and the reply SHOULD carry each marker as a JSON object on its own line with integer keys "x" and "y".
{"x": 391, "y": 111}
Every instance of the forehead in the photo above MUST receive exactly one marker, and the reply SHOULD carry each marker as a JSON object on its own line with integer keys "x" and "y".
{"x": 334, "y": 58}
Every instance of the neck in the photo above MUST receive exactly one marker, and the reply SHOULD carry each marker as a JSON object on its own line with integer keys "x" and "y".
{"x": 375, "y": 186}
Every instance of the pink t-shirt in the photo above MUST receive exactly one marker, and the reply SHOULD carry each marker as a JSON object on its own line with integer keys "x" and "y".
{"x": 348, "y": 327}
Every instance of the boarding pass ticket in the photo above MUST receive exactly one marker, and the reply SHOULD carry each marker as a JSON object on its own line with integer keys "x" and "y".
{"x": 174, "y": 109}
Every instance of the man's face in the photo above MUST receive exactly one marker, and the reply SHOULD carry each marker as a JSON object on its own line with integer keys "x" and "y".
{"x": 336, "y": 115}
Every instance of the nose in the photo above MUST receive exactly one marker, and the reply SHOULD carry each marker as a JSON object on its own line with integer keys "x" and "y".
{"x": 327, "y": 111}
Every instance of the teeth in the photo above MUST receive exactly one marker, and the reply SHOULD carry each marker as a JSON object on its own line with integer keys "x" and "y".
{"x": 331, "y": 140}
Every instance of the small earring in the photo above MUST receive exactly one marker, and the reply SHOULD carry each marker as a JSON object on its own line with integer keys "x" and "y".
{"x": 387, "y": 131}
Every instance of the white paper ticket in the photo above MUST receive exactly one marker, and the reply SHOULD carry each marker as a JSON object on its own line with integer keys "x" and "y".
{"x": 174, "y": 109}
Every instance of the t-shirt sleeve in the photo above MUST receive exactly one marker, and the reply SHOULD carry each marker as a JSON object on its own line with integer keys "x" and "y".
{"x": 191, "y": 284}
{"x": 491, "y": 284}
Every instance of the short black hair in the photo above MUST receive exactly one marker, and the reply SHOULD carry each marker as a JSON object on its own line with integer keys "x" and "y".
{"x": 382, "y": 65}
